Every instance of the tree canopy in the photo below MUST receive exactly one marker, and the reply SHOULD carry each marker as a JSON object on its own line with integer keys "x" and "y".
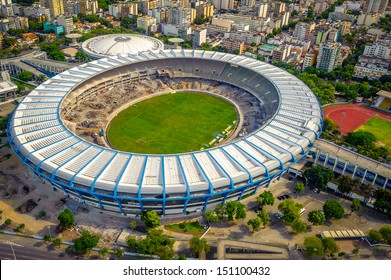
{"x": 356, "y": 205}
{"x": 86, "y": 242}
{"x": 333, "y": 209}
{"x": 290, "y": 210}
{"x": 150, "y": 218}
{"x": 298, "y": 226}
{"x": 66, "y": 218}
{"x": 232, "y": 210}
{"x": 199, "y": 245}
{"x": 313, "y": 246}
{"x": 255, "y": 224}
{"x": 329, "y": 245}
{"x": 265, "y": 198}
{"x": 318, "y": 176}
{"x": 345, "y": 184}
{"x": 264, "y": 216}
{"x": 211, "y": 216}
{"x": 316, "y": 217}
{"x": 299, "y": 187}
{"x": 157, "y": 244}
{"x": 25, "y": 76}
{"x": 383, "y": 201}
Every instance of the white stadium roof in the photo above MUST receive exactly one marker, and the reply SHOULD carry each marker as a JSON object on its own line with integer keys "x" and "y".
{"x": 38, "y": 135}
{"x": 114, "y": 44}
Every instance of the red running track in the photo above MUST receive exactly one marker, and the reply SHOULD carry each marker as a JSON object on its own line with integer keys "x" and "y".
{"x": 350, "y": 117}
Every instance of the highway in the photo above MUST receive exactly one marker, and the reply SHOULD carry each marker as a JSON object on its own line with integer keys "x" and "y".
{"x": 22, "y": 248}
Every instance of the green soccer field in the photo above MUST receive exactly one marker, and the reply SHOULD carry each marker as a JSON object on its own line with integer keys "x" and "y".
{"x": 170, "y": 123}
{"x": 380, "y": 128}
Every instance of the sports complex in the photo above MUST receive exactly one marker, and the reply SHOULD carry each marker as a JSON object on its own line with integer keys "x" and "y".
{"x": 278, "y": 118}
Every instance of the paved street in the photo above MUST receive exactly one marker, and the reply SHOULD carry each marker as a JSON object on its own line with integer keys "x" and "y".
{"x": 22, "y": 248}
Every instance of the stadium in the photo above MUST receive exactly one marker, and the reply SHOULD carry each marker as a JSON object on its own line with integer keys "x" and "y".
{"x": 277, "y": 132}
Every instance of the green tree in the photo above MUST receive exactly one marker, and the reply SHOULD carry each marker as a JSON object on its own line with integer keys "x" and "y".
{"x": 360, "y": 138}
{"x": 119, "y": 253}
{"x": 150, "y": 218}
{"x": 103, "y": 252}
{"x": 8, "y": 222}
{"x": 133, "y": 224}
{"x": 330, "y": 246}
{"x": 132, "y": 242}
{"x": 385, "y": 231}
{"x": 81, "y": 56}
{"x": 356, "y": 205}
{"x": 47, "y": 238}
{"x": 211, "y": 216}
{"x": 313, "y": 246}
{"x": 20, "y": 227}
{"x": 383, "y": 201}
{"x": 41, "y": 78}
{"x": 8, "y": 42}
{"x": 56, "y": 55}
{"x": 255, "y": 224}
{"x": 299, "y": 187}
{"x": 355, "y": 251}
{"x": 290, "y": 210}
{"x": 316, "y": 217}
{"x": 235, "y": 210}
{"x": 199, "y": 245}
{"x": 345, "y": 184}
{"x": 86, "y": 242}
{"x": 25, "y": 76}
{"x": 157, "y": 244}
{"x": 265, "y": 198}
{"x": 265, "y": 219}
{"x": 318, "y": 176}
{"x": 333, "y": 209}
{"x": 57, "y": 242}
{"x": 298, "y": 226}
{"x": 375, "y": 236}
{"x": 66, "y": 218}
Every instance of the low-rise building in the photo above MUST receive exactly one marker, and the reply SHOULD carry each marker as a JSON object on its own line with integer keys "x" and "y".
{"x": 233, "y": 45}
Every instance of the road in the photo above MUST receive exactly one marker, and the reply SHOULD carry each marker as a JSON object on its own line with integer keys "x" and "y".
{"x": 23, "y": 248}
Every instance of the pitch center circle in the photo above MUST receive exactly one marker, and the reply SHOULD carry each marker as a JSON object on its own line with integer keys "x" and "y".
{"x": 173, "y": 123}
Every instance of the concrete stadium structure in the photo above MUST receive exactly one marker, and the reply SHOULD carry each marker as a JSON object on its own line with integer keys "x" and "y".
{"x": 128, "y": 183}
{"x": 114, "y": 44}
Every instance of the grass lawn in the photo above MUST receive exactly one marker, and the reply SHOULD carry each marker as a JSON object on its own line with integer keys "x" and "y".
{"x": 21, "y": 84}
{"x": 170, "y": 123}
{"x": 380, "y": 128}
{"x": 186, "y": 227}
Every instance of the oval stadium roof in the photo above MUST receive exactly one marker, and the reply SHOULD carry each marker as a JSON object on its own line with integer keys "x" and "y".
{"x": 123, "y": 182}
{"x": 114, "y": 44}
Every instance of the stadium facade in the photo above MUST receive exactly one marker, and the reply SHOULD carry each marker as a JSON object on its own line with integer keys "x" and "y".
{"x": 128, "y": 183}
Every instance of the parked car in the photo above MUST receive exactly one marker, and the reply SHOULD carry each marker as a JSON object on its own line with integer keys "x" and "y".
{"x": 278, "y": 215}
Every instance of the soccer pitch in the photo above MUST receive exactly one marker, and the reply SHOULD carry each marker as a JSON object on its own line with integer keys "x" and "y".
{"x": 379, "y": 127}
{"x": 170, "y": 123}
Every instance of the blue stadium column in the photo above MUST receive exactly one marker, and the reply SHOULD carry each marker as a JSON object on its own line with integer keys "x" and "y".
{"x": 344, "y": 167}
{"x": 141, "y": 185}
{"x": 186, "y": 183}
{"x": 164, "y": 187}
{"x": 100, "y": 202}
{"x": 115, "y": 191}
{"x": 363, "y": 177}
{"x": 211, "y": 191}
{"x": 335, "y": 163}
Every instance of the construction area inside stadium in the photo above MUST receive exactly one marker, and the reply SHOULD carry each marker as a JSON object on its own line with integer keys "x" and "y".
{"x": 93, "y": 114}
{"x": 53, "y": 131}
